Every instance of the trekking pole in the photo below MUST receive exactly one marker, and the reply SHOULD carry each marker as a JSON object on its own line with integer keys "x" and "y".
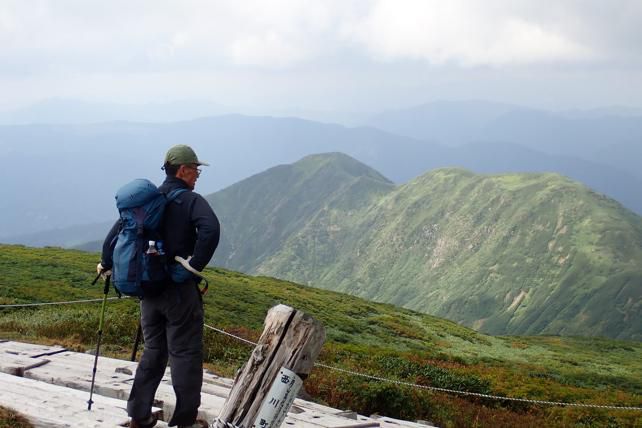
{"x": 139, "y": 331}
{"x": 100, "y": 335}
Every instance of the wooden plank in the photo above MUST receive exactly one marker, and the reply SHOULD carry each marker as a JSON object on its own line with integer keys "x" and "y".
{"x": 74, "y": 370}
{"x": 310, "y": 406}
{"x": 316, "y": 420}
{"x": 216, "y": 390}
{"x": 28, "y": 349}
{"x": 17, "y": 364}
{"x": 47, "y": 405}
{"x": 213, "y": 379}
{"x": 387, "y": 422}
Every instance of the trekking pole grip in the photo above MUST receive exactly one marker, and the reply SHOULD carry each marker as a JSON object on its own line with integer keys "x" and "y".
{"x": 107, "y": 281}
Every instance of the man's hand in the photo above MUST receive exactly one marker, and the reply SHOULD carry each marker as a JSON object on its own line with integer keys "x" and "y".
{"x": 103, "y": 273}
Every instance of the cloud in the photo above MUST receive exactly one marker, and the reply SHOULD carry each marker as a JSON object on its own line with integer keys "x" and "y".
{"x": 468, "y": 33}
{"x": 66, "y": 35}
{"x": 270, "y": 50}
{"x": 261, "y": 50}
{"x": 280, "y": 34}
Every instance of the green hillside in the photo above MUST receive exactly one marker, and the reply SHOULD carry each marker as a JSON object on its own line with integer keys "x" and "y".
{"x": 363, "y": 336}
{"x": 260, "y": 214}
{"x": 505, "y": 254}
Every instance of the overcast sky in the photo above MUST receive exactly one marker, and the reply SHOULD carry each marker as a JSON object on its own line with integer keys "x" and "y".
{"x": 322, "y": 54}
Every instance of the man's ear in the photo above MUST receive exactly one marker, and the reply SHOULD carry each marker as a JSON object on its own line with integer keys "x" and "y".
{"x": 180, "y": 172}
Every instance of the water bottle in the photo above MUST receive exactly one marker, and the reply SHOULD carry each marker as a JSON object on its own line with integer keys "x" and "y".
{"x": 151, "y": 249}
{"x": 160, "y": 248}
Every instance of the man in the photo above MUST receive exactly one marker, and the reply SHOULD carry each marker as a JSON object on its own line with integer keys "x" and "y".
{"x": 172, "y": 321}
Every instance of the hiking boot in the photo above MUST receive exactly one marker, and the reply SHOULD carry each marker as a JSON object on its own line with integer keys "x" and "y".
{"x": 199, "y": 423}
{"x": 146, "y": 423}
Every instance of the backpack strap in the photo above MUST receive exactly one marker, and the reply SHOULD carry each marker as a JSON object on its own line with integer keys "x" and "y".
{"x": 139, "y": 215}
{"x": 173, "y": 195}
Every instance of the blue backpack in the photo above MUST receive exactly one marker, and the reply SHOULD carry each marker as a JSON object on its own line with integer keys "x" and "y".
{"x": 139, "y": 262}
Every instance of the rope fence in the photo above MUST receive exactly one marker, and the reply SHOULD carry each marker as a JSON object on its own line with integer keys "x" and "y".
{"x": 367, "y": 376}
{"x": 218, "y": 330}
{"x": 70, "y": 302}
{"x": 446, "y": 390}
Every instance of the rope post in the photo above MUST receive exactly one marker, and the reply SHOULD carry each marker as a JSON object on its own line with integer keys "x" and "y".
{"x": 266, "y": 386}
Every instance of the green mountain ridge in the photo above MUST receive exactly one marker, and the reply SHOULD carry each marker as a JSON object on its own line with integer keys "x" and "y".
{"x": 505, "y": 254}
{"x": 252, "y": 235}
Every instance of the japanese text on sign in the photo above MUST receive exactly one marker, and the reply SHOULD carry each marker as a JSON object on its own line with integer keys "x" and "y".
{"x": 279, "y": 399}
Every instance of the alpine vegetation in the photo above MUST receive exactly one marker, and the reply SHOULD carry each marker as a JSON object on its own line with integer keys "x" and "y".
{"x": 504, "y": 254}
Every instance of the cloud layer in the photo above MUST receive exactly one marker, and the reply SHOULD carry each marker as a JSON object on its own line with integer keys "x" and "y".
{"x": 225, "y": 44}
{"x": 41, "y": 35}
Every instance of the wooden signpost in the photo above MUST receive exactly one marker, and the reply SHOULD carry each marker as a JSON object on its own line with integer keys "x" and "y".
{"x": 267, "y": 384}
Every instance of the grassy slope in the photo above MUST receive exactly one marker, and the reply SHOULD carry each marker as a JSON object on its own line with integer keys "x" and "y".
{"x": 364, "y": 336}
{"x": 522, "y": 254}
{"x": 525, "y": 254}
{"x": 259, "y": 214}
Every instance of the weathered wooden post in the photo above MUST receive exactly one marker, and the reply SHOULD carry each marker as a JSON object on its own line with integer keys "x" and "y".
{"x": 265, "y": 388}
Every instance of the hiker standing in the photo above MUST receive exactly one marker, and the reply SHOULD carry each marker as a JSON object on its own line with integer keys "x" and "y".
{"x": 172, "y": 317}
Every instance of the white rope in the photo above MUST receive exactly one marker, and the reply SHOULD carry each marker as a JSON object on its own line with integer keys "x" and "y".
{"x": 477, "y": 394}
{"x": 452, "y": 391}
{"x": 231, "y": 335}
{"x": 26, "y": 305}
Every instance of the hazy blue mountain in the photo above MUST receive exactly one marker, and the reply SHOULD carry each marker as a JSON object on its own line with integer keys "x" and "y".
{"x": 69, "y": 111}
{"x": 448, "y": 122}
{"x": 624, "y": 156}
{"x": 604, "y": 136}
{"x": 602, "y": 111}
{"x": 507, "y": 254}
{"x": 90, "y": 247}
{"x": 557, "y": 134}
{"x": 78, "y": 237}
{"x": 73, "y": 111}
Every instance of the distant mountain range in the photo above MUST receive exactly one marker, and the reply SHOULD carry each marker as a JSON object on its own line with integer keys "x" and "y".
{"x": 69, "y": 111}
{"x": 82, "y": 237}
{"x": 68, "y": 174}
{"x": 506, "y": 254}
{"x": 65, "y": 175}
{"x": 66, "y": 111}
{"x": 611, "y": 136}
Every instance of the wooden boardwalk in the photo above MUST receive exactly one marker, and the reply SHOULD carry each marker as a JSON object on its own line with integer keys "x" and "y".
{"x": 50, "y": 386}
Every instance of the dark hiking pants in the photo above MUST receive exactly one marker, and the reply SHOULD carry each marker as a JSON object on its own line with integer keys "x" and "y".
{"x": 173, "y": 329}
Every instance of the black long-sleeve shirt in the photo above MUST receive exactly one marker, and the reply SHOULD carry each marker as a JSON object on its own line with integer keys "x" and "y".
{"x": 189, "y": 227}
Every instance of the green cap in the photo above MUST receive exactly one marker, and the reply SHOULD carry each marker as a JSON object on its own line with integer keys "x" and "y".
{"x": 181, "y": 154}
